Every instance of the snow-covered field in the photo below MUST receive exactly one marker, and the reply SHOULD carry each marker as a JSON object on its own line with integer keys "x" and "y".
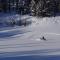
{"x": 25, "y": 40}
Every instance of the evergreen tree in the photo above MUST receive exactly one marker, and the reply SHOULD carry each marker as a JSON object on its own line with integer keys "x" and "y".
{"x": 43, "y": 7}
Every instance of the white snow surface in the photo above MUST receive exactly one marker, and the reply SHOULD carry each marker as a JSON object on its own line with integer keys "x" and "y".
{"x": 23, "y": 41}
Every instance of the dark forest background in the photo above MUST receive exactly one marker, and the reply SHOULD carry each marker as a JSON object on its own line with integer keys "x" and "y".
{"x": 32, "y": 7}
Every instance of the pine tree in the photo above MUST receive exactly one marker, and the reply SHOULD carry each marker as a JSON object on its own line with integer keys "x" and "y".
{"x": 33, "y": 7}
{"x": 43, "y": 7}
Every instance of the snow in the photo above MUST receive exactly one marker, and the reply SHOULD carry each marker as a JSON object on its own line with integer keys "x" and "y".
{"x": 25, "y": 40}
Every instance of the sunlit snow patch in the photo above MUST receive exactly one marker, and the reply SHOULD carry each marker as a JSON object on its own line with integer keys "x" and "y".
{"x": 38, "y": 39}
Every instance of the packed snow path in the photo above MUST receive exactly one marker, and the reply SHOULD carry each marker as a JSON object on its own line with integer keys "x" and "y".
{"x": 23, "y": 41}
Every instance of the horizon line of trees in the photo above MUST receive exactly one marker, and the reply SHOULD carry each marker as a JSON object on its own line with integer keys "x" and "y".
{"x": 19, "y": 6}
{"x": 34, "y": 7}
{"x": 45, "y": 7}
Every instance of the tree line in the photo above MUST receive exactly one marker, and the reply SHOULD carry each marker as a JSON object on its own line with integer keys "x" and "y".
{"x": 45, "y": 7}
{"x": 34, "y": 7}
